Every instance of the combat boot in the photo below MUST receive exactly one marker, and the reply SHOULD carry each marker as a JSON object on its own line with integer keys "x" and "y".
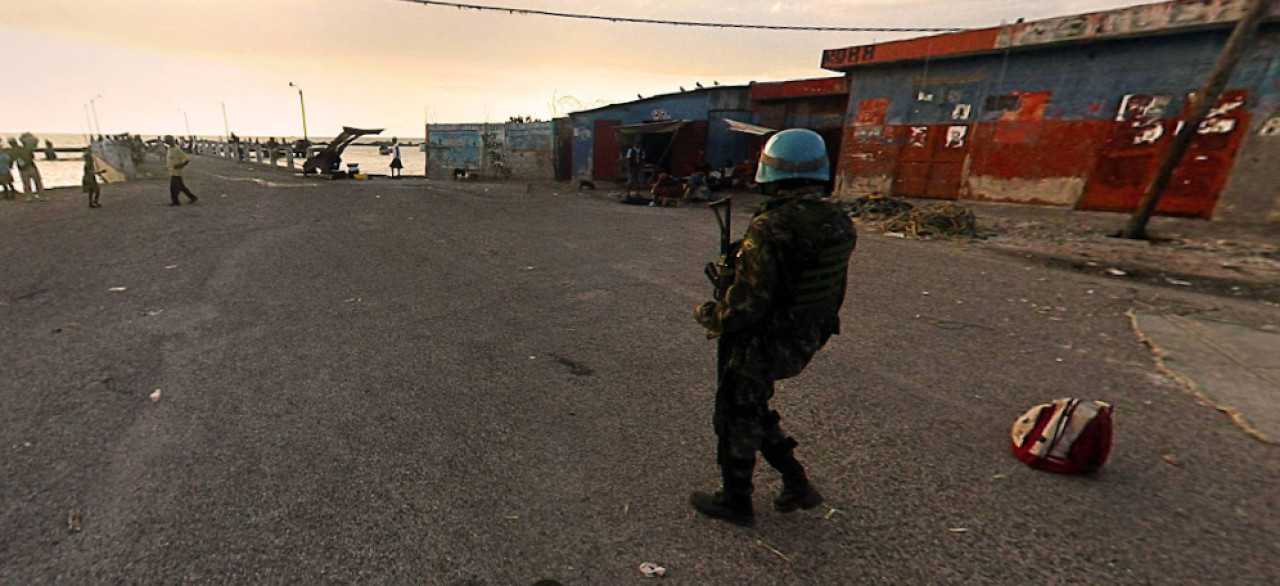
{"x": 797, "y": 493}
{"x": 796, "y": 496}
{"x": 733, "y": 502}
{"x": 733, "y": 507}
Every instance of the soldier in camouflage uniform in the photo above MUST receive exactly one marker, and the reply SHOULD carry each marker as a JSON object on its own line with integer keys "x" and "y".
{"x": 783, "y": 307}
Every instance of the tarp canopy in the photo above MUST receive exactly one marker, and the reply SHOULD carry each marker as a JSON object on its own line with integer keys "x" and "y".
{"x": 650, "y": 127}
{"x": 736, "y": 126}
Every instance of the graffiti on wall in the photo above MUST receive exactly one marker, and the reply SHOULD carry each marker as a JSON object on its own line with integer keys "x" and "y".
{"x": 1270, "y": 127}
{"x": 957, "y": 136}
{"x": 1144, "y": 113}
{"x": 869, "y": 123}
{"x": 919, "y": 137}
{"x": 1224, "y": 118}
{"x": 1139, "y": 107}
{"x": 1137, "y": 19}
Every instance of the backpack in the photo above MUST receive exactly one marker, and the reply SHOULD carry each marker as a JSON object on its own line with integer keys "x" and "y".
{"x": 1067, "y": 436}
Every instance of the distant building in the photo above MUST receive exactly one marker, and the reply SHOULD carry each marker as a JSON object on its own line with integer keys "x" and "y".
{"x": 1073, "y": 111}
{"x": 678, "y": 131}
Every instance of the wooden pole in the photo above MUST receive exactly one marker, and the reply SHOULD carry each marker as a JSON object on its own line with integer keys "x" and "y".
{"x": 1205, "y": 99}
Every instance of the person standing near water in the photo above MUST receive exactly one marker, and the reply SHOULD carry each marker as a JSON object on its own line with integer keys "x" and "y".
{"x": 396, "y": 164}
{"x": 6, "y": 177}
{"x": 90, "y": 182}
{"x": 24, "y": 158}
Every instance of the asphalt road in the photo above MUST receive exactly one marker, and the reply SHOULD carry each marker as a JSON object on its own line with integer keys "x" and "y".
{"x": 453, "y": 383}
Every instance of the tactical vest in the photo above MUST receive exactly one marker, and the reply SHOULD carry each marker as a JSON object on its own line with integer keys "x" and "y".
{"x": 817, "y": 267}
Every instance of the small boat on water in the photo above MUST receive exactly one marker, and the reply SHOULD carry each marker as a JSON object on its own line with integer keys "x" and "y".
{"x": 384, "y": 150}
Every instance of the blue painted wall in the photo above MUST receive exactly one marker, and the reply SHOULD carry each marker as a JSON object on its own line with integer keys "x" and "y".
{"x": 454, "y": 147}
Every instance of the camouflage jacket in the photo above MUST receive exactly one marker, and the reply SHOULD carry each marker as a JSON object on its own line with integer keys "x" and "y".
{"x": 791, "y": 282}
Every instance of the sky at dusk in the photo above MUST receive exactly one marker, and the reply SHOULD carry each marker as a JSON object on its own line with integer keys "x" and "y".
{"x": 391, "y": 64}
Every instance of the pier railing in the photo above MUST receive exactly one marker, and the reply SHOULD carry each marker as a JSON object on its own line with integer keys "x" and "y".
{"x": 255, "y": 152}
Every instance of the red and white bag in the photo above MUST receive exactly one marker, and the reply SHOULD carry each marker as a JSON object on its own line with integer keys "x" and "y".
{"x": 1067, "y": 436}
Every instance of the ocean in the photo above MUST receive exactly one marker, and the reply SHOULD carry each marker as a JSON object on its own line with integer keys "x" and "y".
{"x": 68, "y": 169}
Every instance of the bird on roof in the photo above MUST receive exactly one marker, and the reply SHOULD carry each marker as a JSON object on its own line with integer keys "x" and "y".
{"x": 639, "y": 96}
{"x": 698, "y": 84}
{"x": 682, "y": 88}
{"x": 715, "y": 83}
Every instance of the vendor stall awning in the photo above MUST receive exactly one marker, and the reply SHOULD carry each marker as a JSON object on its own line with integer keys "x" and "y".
{"x": 650, "y": 128}
{"x": 736, "y": 126}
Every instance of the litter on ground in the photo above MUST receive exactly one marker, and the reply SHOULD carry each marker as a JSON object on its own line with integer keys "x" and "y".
{"x": 877, "y": 207}
{"x": 935, "y": 220}
{"x": 652, "y": 570}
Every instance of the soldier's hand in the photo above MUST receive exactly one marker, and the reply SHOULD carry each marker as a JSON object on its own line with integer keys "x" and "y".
{"x": 706, "y": 315}
{"x": 713, "y": 274}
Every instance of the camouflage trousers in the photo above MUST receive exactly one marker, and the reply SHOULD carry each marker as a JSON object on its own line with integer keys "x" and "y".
{"x": 745, "y": 425}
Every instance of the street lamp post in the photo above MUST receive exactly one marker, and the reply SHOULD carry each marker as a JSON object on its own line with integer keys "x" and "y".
{"x": 225, "y": 125}
{"x": 303, "y": 103}
{"x": 186, "y": 121}
{"x": 94, "y": 107}
{"x": 88, "y": 122}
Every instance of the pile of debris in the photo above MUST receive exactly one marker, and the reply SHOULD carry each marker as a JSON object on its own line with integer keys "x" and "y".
{"x": 935, "y": 220}
{"x": 899, "y": 217}
{"x": 876, "y": 207}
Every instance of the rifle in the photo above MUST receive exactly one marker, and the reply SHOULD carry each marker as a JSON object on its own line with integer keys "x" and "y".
{"x": 723, "y": 270}
{"x": 722, "y": 273}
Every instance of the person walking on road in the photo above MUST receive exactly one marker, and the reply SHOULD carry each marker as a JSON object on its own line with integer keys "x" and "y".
{"x": 25, "y": 159}
{"x": 396, "y": 164}
{"x": 177, "y": 162}
{"x": 792, "y": 272}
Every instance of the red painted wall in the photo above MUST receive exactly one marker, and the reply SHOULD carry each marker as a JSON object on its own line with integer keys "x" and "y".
{"x": 804, "y": 88}
{"x": 1045, "y": 150}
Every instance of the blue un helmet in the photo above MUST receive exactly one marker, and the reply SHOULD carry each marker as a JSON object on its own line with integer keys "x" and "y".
{"x": 794, "y": 154}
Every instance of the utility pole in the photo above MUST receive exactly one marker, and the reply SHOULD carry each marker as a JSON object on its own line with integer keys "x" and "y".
{"x": 426, "y": 142}
{"x": 186, "y": 121}
{"x": 302, "y": 103}
{"x": 89, "y": 122}
{"x": 1205, "y": 99}
{"x": 225, "y": 126}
